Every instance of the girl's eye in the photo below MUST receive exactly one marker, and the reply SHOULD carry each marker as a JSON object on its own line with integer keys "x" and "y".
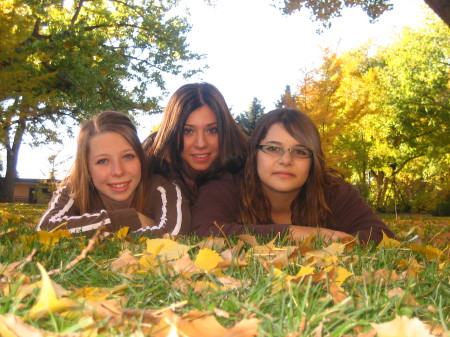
{"x": 129, "y": 156}
{"x": 273, "y": 149}
{"x": 101, "y": 161}
{"x": 187, "y": 131}
{"x": 299, "y": 152}
{"x": 213, "y": 130}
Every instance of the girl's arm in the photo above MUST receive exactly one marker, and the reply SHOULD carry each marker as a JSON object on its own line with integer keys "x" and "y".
{"x": 354, "y": 216}
{"x": 217, "y": 207}
{"x": 168, "y": 207}
{"x": 63, "y": 213}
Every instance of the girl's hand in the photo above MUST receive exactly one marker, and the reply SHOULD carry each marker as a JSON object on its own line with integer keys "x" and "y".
{"x": 145, "y": 220}
{"x": 302, "y": 232}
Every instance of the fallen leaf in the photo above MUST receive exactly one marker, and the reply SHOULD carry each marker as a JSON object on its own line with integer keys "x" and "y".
{"x": 166, "y": 249}
{"x": 47, "y": 300}
{"x": 126, "y": 262}
{"x": 217, "y": 243}
{"x": 13, "y": 326}
{"x": 337, "y": 292}
{"x": 202, "y": 325}
{"x": 402, "y": 326}
{"x": 122, "y": 232}
{"x": 387, "y": 242}
{"x": 207, "y": 259}
{"x": 408, "y": 299}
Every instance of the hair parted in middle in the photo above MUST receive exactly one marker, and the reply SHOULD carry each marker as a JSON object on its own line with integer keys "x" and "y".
{"x": 166, "y": 147}
{"x": 310, "y": 207}
{"x": 79, "y": 178}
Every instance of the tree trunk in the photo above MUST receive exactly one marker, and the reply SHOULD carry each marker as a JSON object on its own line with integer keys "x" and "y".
{"x": 12, "y": 156}
{"x": 381, "y": 179}
{"x": 441, "y": 8}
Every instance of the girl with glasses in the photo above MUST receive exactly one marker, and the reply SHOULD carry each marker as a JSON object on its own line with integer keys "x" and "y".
{"x": 286, "y": 188}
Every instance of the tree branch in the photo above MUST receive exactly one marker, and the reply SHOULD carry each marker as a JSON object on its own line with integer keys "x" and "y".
{"x": 77, "y": 12}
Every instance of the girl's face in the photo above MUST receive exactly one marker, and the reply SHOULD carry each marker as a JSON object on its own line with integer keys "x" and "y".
{"x": 200, "y": 139}
{"x": 114, "y": 166}
{"x": 284, "y": 174}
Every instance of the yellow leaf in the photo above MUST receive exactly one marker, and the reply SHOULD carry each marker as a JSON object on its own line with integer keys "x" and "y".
{"x": 430, "y": 252}
{"x": 207, "y": 259}
{"x": 402, "y": 327}
{"x": 305, "y": 270}
{"x": 122, "y": 232}
{"x": 47, "y": 301}
{"x": 166, "y": 249}
{"x": 341, "y": 275}
{"x": 387, "y": 242}
{"x": 148, "y": 261}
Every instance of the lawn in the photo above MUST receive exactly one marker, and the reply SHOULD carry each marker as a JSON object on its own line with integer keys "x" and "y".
{"x": 54, "y": 284}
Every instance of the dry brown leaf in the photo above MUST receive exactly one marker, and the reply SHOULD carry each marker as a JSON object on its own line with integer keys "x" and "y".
{"x": 402, "y": 326}
{"x": 196, "y": 324}
{"x": 250, "y": 239}
{"x": 408, "y": 299}
{"x": 221, "y": 313}
{"x": 337, "y": 292}
{"x": 318, "y": 330}
{"x": 233, "y": 283}
{"x": 213, "y": 243}
{"x": 13, "y": 326}
{"x": 185, "y": 266}
{"x": 381, "y": 276}
{"x": 125, "y": 263}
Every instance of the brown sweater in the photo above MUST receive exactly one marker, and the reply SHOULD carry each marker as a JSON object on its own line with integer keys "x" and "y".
{"x": 218, "y": 202}
{"x": 166, "y": 205}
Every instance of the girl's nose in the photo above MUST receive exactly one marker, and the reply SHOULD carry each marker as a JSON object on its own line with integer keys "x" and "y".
{"x": 117, "y": 169}
{"x": 286, "y": 158}
{"x": 200, "y": 141}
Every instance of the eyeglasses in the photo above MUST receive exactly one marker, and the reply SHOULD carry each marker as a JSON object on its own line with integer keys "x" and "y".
{"x": 298, "y": 152}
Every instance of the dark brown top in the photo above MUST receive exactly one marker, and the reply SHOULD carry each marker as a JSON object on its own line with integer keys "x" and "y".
{"x": 218, "y": 202}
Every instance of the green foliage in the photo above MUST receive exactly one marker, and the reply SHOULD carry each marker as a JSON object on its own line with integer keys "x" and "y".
{"x": 247, "y": 120}
{"x": 324, "y": 11}
{"x": 60, "y": 62}
{"x": 384, "y": 117}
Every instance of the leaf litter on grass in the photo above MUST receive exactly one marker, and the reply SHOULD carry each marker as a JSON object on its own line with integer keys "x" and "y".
{"x": 215, "y": 288}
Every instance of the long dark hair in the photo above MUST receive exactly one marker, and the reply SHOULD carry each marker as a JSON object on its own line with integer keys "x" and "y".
{"x": 166, "y": 146}
{"x": 79, "y": 180}
{"x": 310, "y": 207}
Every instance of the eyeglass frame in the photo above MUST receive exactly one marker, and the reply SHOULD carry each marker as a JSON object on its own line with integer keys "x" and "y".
{"x": 263, "y": 149}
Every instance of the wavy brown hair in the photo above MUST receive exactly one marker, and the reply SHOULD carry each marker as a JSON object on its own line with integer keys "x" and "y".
{"x": 79, "y": 180}
{"x": 310, "y": 207}
{"x": 166, "y": 146}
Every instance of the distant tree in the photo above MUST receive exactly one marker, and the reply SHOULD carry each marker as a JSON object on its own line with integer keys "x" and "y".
{"x": 286, "y": 100}
{"x": 384, "y": 116}
{"x": 247, "y": 120}
{"x": 324, "y": 11}
{"x": 58, "y": 62}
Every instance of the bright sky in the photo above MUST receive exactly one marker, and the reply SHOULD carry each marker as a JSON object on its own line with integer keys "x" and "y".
{"x": 252, "y": 51}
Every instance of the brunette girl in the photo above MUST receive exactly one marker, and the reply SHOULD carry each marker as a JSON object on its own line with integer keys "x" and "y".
{"x": 286, "y": 188}
{"x": 198, "y": 139}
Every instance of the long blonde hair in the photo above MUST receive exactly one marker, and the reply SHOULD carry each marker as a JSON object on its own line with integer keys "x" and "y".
{"x": 79, "y": 181}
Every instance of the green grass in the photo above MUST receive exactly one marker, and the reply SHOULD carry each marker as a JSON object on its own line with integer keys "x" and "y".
{"x": 281, "y": 308}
